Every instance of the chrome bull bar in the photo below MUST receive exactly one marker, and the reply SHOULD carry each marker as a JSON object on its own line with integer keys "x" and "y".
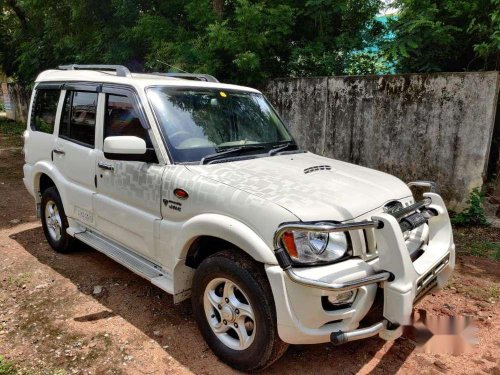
{"x": 285, "y": 261}
{"x": 286, "y": 264}
{"x": 428, "y": 184}
{"x": 340, "y": 337}
{"x": 336, "y": 286}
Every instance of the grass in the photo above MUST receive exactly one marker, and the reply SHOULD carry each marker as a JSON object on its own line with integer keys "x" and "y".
{"x": 10, "y": 127}
{"x": 9, "y": 368}
{"x": 11, "y": 133}
{"x": 489, "y": 293}
{"x": 20, "y": 279}
{"x": 6, "y": 367}
{"x": 486, "y": 249}
{"x": 478, "y": 242}
{"x": 483, "y": 249}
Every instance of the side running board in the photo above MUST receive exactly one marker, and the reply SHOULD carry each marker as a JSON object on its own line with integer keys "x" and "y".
{"x": 134, "y": 262}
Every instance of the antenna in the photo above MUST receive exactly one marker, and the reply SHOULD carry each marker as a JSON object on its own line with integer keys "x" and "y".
{"x": 186, "y": 75}
{"x": 171, "y": 66}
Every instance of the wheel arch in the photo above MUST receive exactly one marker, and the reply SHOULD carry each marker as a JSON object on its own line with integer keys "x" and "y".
{"x": 44, "y": 182}
{"x": 204, "y": 246}
{"x": 208, "y": 234}
{"x": 45, "y": 175}
{"x": 216, "y": 229}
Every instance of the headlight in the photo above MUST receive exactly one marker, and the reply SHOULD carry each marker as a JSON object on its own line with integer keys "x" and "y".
{"x": 316, "y": 247}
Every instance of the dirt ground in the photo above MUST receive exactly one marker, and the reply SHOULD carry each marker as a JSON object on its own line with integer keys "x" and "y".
{"x": 83, "y": 313}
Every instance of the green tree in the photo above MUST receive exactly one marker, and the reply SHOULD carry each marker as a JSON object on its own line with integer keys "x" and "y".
{"x": 327, "y": 32}
{"x": 242, "y": 41}
{"x": 42, "y": 34}
{"x": 251, "y": 41}
{"x": 446, "y": 35}
{"x": 239, "y": 41}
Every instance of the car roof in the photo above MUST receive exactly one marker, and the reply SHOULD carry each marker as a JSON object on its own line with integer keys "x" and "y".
{"x": 139, "y": 80}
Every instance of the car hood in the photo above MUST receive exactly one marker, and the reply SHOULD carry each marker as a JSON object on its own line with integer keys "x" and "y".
{"x": 310, "y": 186}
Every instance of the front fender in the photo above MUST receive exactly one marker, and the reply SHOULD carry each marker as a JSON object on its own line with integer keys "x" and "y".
{"x": 214, "y": 225}
{"x": 228, "y": 229}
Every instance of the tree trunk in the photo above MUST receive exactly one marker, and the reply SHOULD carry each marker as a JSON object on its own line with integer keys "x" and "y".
{"x": 218, "y": 6}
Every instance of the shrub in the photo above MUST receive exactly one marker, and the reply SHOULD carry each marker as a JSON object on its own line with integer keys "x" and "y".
{"x": 474, "y": 214}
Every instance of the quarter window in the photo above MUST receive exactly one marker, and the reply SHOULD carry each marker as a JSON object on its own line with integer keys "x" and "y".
{"x": 44, "y": 110}
{"x": 79, "y": 117}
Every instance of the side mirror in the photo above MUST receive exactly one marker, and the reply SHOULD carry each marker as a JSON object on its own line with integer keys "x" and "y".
{"x": 124, "y": 145}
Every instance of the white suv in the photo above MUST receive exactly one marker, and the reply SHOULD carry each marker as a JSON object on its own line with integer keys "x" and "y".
{"x": 199, "y": 187}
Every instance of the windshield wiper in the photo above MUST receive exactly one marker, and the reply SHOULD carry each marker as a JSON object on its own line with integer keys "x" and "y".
{"x": 230, "y": 152}
{"x": 289, "y": 145}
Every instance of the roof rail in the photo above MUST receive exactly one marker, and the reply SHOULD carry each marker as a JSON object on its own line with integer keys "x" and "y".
{"x": 194, "y": 76}
{"x": 121, "y": 71}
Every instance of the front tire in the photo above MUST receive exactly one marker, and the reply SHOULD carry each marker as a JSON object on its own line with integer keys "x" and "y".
{"x": 54, "y": 221}
{"x": 234, "y": 309}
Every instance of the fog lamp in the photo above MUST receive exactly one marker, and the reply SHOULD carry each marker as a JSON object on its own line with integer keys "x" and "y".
{"x": 343, "y": 298}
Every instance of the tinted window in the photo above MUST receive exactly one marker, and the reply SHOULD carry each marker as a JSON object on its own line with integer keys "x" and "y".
{"x": 78, "y": 118}
{"x": 44, "y": 110}
{"x": 122, "y": 119}
{"x": 65, "y": 116}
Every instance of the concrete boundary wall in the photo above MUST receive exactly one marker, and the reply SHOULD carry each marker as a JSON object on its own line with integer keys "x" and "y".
{"x": 415, "y": 126}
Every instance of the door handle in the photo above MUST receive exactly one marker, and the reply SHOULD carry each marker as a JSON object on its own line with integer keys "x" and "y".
{"x": 106, "y": 166}
{"x": 58, "y": 151}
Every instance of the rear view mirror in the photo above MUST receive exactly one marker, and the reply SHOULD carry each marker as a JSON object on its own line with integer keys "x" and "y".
{"x": 124, "y": 145}
{"x": 127, "y": 147}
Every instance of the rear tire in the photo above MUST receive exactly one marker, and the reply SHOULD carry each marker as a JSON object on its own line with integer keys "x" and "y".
{"x": 54, "y": 221}
{"x": 234, "y": 308}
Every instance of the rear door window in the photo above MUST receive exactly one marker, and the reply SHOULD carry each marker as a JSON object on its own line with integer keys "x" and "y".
{"x": 79, "y": 117}
{"x": 44, "y": 110}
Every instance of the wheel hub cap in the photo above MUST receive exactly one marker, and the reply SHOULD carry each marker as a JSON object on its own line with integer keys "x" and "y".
{"x": 229, "y": 313}
{"x": 53, "y": 220}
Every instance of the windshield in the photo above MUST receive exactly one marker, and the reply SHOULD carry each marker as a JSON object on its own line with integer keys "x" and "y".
{"x": 198, "y": 122}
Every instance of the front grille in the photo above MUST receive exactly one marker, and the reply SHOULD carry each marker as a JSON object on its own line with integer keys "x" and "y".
{"x": 425, "y": 290}
{"x": 415, "y": 239}
{"x": 371, "y": 243}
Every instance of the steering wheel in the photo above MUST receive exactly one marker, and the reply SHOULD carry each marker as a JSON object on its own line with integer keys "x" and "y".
{"x": 178, "y": 134}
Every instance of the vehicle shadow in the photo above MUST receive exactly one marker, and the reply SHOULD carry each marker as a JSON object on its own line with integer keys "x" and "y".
{"x": 151, "y": 310}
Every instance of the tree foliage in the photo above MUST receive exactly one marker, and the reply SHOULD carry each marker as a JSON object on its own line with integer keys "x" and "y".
{"x": 245, "y": 41}
{"x": 249, "y": 41}
{"x": 446, "y": 35}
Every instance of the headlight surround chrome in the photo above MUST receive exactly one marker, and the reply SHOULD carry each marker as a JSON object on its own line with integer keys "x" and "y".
{"x": 311, "y": 247}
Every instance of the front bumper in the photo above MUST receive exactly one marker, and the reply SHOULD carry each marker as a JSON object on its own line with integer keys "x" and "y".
{"x": 302, "y": 318}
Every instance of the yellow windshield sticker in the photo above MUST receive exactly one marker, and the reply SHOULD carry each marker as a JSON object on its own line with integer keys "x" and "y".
{"x": 223, "y": 94}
